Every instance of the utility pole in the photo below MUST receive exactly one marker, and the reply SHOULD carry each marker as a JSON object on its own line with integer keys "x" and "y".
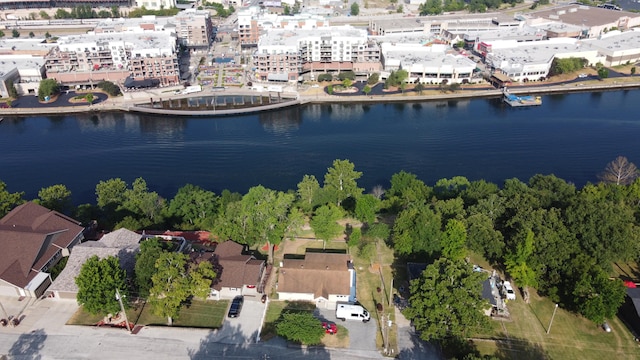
{"x": 124, "y": 313}
{"x": 552, "y": 316}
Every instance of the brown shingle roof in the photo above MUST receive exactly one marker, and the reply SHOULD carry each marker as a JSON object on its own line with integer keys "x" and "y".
{"x": 29, "y": 236}
{"x": 234, "y": 268}
{"x": 322, "y": 274}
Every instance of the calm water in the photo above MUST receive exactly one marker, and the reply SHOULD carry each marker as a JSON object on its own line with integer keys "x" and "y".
{"x": 572, "y": 136}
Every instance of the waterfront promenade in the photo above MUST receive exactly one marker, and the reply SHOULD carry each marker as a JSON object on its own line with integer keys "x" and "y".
{"x": 136, "y": 101}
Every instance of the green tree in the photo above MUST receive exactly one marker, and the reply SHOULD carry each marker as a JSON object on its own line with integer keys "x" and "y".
{"x": 31, "y": 34}
{"x": 173, "y": 284}
{"x": 325, "y": 222}
{"x": 419, "y": 88}
{"x": 307, "y": 191}
{"x": 341, "y": 181}
{"x": 111, "y": 193}
{"x": 300, "y": 327}
{"x": 48, "y": 87}
{"x": 446, "y": 301}
{"x": 416, "y": 230}
{"x": 11, "y": 88}
{"x": 603, "y": 72}
{"x": 97, "y": 283}
{"x": 55, "y": 197}
{"x": 2, "y": 34}
{"x": 598, "y": 297}
{"x": 15, "y": 33}
{"x": 430, "y": 7}
{"x": 150, "y": 251}
{"x": 373, "y": 79}
{"x": 454, "y": 239}
{"x": 8, "y": 200}
{"x": 354, "y": 237}
{"x": 517, "y": 264}
{"x": 366, "y": 208}
{"x": 89, "y": 97}
{"x": 44, "y": 15}
{"x": 484, "y": 238}
{"x": 633, "y": 70}
{"x": 109, "y": 87}
{"x": 193, "y": 208}
{"x": 346, "y": 83}
{"x": 146, "y": 205}
{"x": 115, "y": 11}
{"x": 366, "y": 89}
{"x": 355, "y": 9}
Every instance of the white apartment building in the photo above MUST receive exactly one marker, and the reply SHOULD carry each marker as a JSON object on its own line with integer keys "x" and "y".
{"x": 90, "y": 58}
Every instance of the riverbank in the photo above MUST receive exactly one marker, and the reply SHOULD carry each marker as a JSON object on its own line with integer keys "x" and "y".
{"x": 132, "y": 102}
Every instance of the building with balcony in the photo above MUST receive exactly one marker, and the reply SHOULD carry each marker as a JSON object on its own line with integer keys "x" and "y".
{"x": 284, "y": 54}
{"x": 89, "y": 59}
{"x": 252, "y": 23}
{"x": 22, "y": 64}
{"x": 194, "y": 28}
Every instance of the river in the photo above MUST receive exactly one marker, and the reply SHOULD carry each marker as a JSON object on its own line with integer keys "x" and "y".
{"x": 572, "y": 136}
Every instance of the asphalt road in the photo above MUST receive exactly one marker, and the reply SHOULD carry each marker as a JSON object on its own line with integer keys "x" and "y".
{"x": 31, "y": 101}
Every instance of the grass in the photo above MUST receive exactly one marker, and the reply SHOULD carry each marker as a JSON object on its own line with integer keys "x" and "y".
{"x": 570, "y": 336}
{"x": 199, "y": 314}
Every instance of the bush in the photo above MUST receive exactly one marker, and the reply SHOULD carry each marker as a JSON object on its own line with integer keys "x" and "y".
{"x": 347, "y": 75}
{"x": 109, "y": 87}
{"x": 325, "y": 77}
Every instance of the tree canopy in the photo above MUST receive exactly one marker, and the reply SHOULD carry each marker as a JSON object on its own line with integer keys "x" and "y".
{"x": 446, "y": 301}
{"x": 300, "y": 327}
{"x": 97, "y": 283}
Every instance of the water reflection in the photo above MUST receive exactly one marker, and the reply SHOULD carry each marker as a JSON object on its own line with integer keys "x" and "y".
{"x": 281, "y": 122}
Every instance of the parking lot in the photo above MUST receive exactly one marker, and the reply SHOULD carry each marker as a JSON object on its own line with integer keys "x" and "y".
{"x": 362, "y": 336}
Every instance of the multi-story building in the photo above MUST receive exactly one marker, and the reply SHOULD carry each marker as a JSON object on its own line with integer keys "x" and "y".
{"x": 144, "y": 24}
{"x": 194, "y": 29}
{"x": 252, "y": 23}
{"x": 88, "y": 59}
{"x": 427, "y": 63}
{"x": 285, "y": 54}
{"x": 22, "y": 64}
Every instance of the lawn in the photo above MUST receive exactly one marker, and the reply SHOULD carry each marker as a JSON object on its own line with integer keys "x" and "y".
{"x": 570, "y": 336}
{"x": 199, "y": 314}
{"x": 275, "y": 310}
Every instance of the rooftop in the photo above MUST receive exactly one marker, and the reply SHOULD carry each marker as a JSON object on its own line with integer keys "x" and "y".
{"x": 582, "y": 15}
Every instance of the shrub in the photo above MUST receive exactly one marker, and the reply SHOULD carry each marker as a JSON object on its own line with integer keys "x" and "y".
{"x": 109, "y": 87}
{"x": 325, "y": 77}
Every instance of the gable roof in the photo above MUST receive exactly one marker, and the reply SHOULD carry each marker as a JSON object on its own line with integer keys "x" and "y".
{"x": 321, "y": 274}
{"x": 122, "y": 243}
{"x": 30, "y": 235}
{"x": 234, "y": 269}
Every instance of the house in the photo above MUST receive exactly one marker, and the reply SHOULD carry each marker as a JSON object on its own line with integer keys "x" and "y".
{"x": 123, "y": 244}
{"x": 32, "y": 240}
{"x": 324, "y": 278}
{"x": 238, "y": 273}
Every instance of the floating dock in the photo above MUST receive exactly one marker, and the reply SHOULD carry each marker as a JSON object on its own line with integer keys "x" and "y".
{"x": 516, "y": 101}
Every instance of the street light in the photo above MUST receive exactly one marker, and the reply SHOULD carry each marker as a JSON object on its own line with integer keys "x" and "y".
{"x": 124, "y": 313}
{"x": 552, "y": 316}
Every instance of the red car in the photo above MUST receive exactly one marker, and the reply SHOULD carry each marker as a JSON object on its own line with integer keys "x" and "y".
{"x": 330, "y": 328}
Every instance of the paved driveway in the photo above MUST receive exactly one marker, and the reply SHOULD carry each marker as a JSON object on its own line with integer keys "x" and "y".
{"x": 362, "y": 336}
{"x": 243, "y": 329}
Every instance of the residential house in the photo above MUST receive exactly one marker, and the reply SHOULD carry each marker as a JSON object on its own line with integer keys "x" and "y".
{"x": 32, "y": 241}
{"x": 122, "y": 243}
{"x": 238, "y": 273}
{"x": 324, "y": 278}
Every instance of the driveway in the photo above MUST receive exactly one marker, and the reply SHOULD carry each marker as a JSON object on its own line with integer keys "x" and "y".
{"x": 243, "y": 329}
{"x": 362, "y": 336}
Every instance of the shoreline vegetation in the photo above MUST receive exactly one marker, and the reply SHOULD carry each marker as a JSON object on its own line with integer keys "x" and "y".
{"x": 318, "y": 95}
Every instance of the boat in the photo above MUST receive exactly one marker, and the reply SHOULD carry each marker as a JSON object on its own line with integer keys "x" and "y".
{"x": 515, "y": 100}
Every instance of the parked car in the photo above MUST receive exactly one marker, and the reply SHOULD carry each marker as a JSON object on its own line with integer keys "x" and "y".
{"x": 606, "y": 327}
{"x": 236, "y": 306}
{"x": 582, "y": 76}
{"x": 508, "y": 290}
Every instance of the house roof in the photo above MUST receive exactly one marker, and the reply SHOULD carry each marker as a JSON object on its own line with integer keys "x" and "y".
{"x": 30, "y": 235}
{"x": 321, "y": 274}
{"x": 234, "y": 269}
{"x": 122, "y": 243}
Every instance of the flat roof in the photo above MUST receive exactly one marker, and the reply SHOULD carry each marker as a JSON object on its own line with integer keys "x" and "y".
{"x": 582, "y": 15}
{"x": 615, "y": 41}
{"x": 284, "y": 37}
{"x": 531, "y": 52}
{"x": 10, "y": 62}
{"x": 148, "y": 40}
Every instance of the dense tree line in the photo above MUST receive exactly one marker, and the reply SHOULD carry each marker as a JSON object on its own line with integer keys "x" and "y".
{"x": 545, "y": 233}
{"x": 437, "y": 7}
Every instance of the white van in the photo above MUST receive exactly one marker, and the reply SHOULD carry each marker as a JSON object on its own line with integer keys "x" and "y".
{"x": 352, "y": 312}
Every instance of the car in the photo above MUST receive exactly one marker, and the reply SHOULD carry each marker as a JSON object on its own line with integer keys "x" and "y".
{"x": 236, "y": 306}
{"x": 606, "y": 327}
{"x": 508, "y": 290}
{"x": 582, "y": 76}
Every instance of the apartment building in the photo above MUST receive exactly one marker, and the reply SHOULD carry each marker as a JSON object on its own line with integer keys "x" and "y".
{"x": 194, "y": 28}
{"x": 253, "y": 22}
{"x": 285, "y": 54}
{"x": 91, "y": 58}
{"x": 155, "y": 4}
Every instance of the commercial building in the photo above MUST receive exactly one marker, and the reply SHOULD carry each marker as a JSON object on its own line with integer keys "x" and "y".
{"x": 22, "y": 64}
{"x": 194, "y": 29}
